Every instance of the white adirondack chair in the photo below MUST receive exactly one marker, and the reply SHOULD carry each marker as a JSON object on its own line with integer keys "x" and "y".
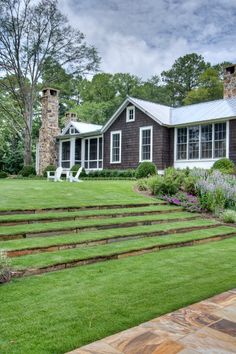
{"x": 76, "y": 177}
{"x": 55, "y": 175}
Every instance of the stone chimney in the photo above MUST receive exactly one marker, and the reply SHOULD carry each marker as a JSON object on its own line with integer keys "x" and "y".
{"x": 230, "y": 81}
{"x": 47, "y": 149}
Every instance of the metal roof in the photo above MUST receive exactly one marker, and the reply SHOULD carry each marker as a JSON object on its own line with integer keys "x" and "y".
{"x": 213, "y": 110}
{"x": 86, "y": 127}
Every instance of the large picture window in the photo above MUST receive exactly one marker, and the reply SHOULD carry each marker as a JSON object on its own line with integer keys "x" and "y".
{"x": 115, "y": 153}
{"x": 206, "y": 141}
{"x": 145, "y": 144}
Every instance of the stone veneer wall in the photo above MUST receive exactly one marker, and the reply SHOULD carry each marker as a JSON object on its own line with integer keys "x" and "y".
{"x": 230, "y": 82}
{"x": 49, "y": 129}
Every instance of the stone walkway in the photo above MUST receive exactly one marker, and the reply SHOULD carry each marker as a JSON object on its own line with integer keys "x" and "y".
{"x": 206, "y": 327}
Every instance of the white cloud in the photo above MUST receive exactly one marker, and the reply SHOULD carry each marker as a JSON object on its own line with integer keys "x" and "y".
{"x": 144, "y": 38}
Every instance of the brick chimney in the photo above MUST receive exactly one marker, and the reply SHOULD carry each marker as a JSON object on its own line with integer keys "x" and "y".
{"x": 230, "y": 81}
{"x": 47, "y": 150}
{"x": 70, "y": 116}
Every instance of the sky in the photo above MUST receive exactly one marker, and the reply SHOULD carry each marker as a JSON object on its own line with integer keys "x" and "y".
{"x": 145, "y": 37}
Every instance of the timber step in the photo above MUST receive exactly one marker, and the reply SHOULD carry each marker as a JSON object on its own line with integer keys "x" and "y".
{"x": 77, "y": 229}
{"x": 78, "y": 208}
{"x": 118, "y": 255}
{"x": 45, "y": 219}
{"x": 103, "y": 241}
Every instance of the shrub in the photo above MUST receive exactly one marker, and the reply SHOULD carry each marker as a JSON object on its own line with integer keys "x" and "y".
{"x": 5, "y": 272}
{"x": 229, "y": 216}
{"x": 27, "y": 170}
{"x": 3, "y": 174}
{"x": 224, "y": 165}
{"x": 189, "y": 185}
{"x": 187, "y": 201}
{"x": 142, "y": 184}
{"x": 145, "y": 169}
{"x": 49, "y": 168}
{"x": 154, "y": 183}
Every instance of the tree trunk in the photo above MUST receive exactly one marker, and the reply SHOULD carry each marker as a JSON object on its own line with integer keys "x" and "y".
{"x": 28, "y": 115}
{"x": 27, "y": 148}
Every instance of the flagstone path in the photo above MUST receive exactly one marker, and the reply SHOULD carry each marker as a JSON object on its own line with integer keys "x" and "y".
{"x": 205, "y": 327}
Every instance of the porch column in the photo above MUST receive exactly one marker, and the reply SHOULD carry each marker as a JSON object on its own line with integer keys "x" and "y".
{"x": 82, "y": 152}
{"x": 72, "y": 152}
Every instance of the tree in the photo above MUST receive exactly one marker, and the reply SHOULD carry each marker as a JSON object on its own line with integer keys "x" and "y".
{"x": 210, "y": 87}
{"x": 29, "y": 34}
{"x": 184, "y": 76}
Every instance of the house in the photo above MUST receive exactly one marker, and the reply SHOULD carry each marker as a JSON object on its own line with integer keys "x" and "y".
{"x": 189, "y": 136}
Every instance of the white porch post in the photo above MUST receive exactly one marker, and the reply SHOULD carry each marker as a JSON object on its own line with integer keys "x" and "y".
{"x": 82, "y": 152}
{"x": 60, "y": 152}
{"x": 72, "y": 152}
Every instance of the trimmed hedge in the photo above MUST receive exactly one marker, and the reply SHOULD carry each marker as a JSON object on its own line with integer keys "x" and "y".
{"x": 146, "y": 169}
{"x": 224, "y": 165}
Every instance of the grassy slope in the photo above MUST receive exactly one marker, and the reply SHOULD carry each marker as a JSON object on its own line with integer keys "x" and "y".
{"x": 45, "y": 259}
{"x": 27, "y": 194}
{"x": 85, "y": 213}
{"x": 10, "y": 230}
{"x": 58, "y": 312}
{"x": 99, "y": 234}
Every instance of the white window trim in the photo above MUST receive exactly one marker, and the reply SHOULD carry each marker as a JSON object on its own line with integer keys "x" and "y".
{"x": 111, "y": 146}
{"x": 213, "y": 141}
{"x": 128, "y": 109}
{"x": 140, "y": 143}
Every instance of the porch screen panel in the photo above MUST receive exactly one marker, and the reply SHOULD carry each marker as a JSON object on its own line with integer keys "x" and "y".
{"x": 93, "y": 153}
{"x": 78, "y": 151}
{"x": 65, "y": 154}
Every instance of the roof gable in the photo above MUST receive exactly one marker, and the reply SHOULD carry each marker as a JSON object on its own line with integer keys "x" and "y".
{"x": 81, "y": 127}
{"x": 158, "y": 112}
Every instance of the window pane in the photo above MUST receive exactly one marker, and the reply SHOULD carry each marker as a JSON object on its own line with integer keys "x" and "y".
{"x": 115, "y": 147}
{"x": 220, "y": 140}
{"x": 206, "y": 141}
{"x": 182, "y": 143}
{"x": 146, "y": 144}
{"x": 65, "y": 150}
{"x": 193, "y": 151}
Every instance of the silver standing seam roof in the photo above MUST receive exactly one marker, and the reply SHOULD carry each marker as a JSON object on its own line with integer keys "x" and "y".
{"x": 168, "y": 116}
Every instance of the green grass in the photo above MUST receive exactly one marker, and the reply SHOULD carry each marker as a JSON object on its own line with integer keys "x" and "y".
{"x": 100, "y": 234}
{"x": 61, "y": 225}
{"x": 47, "y": 259}
{"x": 33, "y": 194}
{"x": 61, "y": 311}
{"x": 84, "y": 213}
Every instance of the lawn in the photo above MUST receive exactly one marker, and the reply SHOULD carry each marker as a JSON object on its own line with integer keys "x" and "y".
{"x": 60, "y": 311}
{"x": 28, "y": 194}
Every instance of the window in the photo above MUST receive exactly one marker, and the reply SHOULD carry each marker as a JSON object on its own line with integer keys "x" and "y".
{"x": 130, "y": 114}
{"x": 73, "y": 131}
{"x": 93, "y": 153}
{"x": 182, "y": 144}
{"x": 145, "y": 144}
{"x": 206, "y": 141}
{"x": 65, "y": 154}
{"x": 115, "y": 153}
{"x": 193, "y": 142}
{"x": 220, "y": 140}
